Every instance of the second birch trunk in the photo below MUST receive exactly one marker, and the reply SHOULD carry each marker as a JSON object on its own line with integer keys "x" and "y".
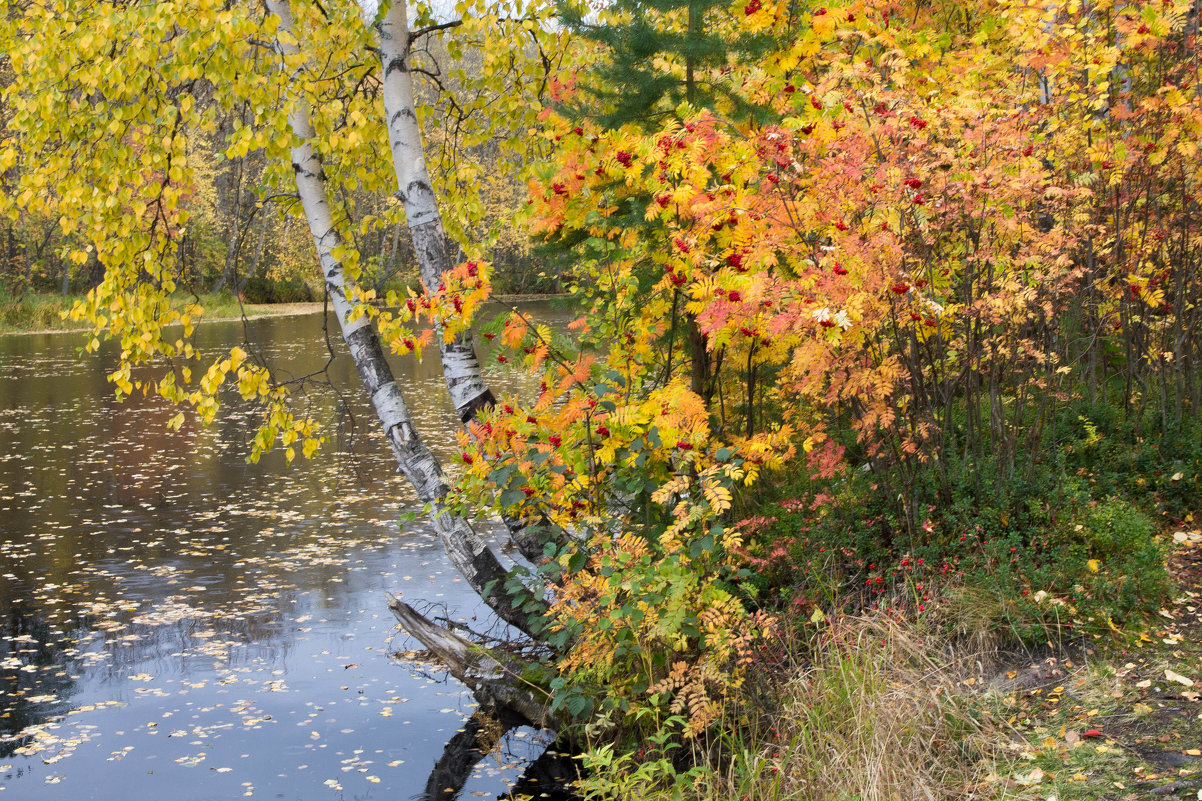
{"x": 467, "y": 551}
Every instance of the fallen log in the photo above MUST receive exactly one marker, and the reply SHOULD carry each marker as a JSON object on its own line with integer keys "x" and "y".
{"x": 494, "y": 678}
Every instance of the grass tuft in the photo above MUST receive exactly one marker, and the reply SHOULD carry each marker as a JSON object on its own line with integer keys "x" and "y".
{"x": 875, "y": 714}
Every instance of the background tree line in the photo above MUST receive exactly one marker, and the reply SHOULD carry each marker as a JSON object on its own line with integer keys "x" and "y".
{"x": 242, "y": 237}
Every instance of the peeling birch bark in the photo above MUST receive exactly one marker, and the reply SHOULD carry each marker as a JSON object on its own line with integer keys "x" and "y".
{"x": 415, "y": 190}
{"x": 460, "y": 365}
{"x": 467, "y": 551}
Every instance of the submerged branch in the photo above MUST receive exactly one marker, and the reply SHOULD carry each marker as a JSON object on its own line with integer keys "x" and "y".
{"x": 496, "y": 680}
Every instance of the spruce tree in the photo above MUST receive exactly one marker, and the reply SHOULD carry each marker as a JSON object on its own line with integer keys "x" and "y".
{"x": 631, "y": 86}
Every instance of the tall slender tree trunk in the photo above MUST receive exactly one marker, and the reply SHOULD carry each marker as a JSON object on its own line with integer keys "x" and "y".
{"x": 415, "y": 190}
{"x": 460, "y": 366}
{"x": 228, "y": 275}
{"x": 10, "y": 253}
{"x": 258, "y": 254}
{"x": 700, "y": 381}
{"x": 388, "y": 261}
{"x": 478, "y": 565}
{"x": 25, "y": 251}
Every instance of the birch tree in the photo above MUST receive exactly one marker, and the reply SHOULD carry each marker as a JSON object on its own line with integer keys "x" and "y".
{"x": 106, "y": 87}
{"x": 463, "y": 545}
{"x": 415, "y": 190}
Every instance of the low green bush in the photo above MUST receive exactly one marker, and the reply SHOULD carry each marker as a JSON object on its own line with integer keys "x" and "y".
{"x": 1069, "y": 546}
{"x": 262, "y": 290}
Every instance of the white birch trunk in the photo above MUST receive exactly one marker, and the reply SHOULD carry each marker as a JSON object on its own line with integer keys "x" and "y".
{"x": 460, "y": 366}
{"x": 478, "y": 565}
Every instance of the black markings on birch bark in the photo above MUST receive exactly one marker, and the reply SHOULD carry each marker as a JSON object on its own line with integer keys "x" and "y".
{"x": 401, "y": 114}
{"x": 463, "y": 545}
{"x": 461, "y": 369}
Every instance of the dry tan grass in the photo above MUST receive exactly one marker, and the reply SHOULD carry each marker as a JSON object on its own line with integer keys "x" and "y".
{"x": 877, "y": 713}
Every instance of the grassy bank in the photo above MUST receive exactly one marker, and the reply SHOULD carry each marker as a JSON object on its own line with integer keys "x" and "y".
{"x": 886, "y": 706}
{"x": 1033, "y": 637}
{"x": 34, "y": 313}
{"x": 30, "y": 313}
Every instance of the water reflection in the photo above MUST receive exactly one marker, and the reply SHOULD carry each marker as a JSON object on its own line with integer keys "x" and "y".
{"x": 174, "y": 617}
{"x": 33, "y": 676}
{"x": 488, "y": 746}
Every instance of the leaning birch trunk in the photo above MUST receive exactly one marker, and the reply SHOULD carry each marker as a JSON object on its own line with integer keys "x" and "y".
{"x": 478, "y": 565}
{"x": 460, "y": 365}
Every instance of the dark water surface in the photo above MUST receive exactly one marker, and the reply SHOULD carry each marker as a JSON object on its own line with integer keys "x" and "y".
{"x": 178, "y": 624}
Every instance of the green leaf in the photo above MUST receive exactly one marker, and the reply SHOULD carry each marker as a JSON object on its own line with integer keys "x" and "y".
{"x": 653, "y": 437}
{"x": 578, "y": 704}
{"x": 511, "y": 497}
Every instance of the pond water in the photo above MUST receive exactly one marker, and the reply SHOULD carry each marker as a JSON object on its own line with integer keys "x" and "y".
{"x": 176, "y": 623}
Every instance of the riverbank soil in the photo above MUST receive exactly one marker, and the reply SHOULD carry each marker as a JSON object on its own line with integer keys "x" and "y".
{"x": 1123, "y": 722}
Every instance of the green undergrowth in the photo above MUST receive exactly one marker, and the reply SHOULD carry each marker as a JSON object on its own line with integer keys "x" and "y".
{"x": 1122, "y": 718}
{"x": 29, "y": 312}
{"x": 1017, "y": 638}
{"x": 854, "y": 708}
{"x": 882, "y": 705}
{"x": 1068, "y": 546}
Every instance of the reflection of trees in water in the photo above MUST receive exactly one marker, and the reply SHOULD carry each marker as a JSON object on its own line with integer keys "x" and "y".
{"x": 461, "y": 754}
{"x": 34, "y": 676}
{"x": 200, "y": 642}
{"x": 155, "y": 604}
{"x": 38, "y": 655}
{"x": 79, "y": 623}
{"x": 547, "y": 777}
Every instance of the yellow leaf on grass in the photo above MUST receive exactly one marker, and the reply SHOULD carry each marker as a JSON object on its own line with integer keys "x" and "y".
{"x": 1177, "y": 677}
{"x": 1034, "y": 777}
